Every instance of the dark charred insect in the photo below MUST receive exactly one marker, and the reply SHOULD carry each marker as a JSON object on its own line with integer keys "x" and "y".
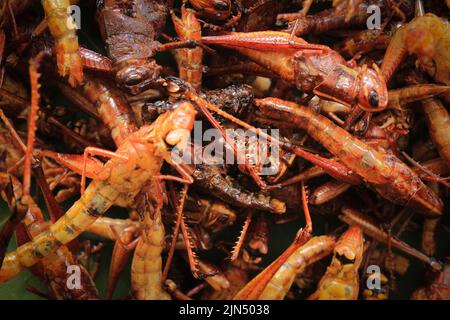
{"x": 130, "y": 30}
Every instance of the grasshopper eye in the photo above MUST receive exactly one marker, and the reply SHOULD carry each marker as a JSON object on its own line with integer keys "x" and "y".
{"x": 221, "y": 5}
{"x": 374, "y": 99}
{"x": 133, "y": 79}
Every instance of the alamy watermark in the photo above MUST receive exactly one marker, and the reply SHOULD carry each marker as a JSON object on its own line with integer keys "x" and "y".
{"x": 374, "y": 20}
{"x": 74, "y": 21}
{"x": 373, "y": 281}
{"x": 74, "y": 279}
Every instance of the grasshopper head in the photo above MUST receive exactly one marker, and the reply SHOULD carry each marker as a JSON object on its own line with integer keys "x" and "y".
{"x": 139, "y": 76}
{"x": 373, "y": 94}
{"x": 350, "y": 247}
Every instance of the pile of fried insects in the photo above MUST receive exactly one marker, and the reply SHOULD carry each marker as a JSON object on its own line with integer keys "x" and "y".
{"x": 225, "y": 149}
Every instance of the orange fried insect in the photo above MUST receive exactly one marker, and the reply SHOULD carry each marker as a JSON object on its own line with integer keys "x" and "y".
{"x": 390, "y": 177}
{"x": 137, "y": 159}
{"x": 310, "y": 67}
{"x": 428, "y": 37}
{"x": 146, "y": 268}
{"x": 438, "y": 120}
{"x": 341, "y": 281}
{"x": 276, "y": 283}
{"x": 397, "y": 98}
{"x": 63, "y": 28}
{"x": 146, "y": 280}
{"x": 112, "y": 107}
{"x": 189, "y": 61}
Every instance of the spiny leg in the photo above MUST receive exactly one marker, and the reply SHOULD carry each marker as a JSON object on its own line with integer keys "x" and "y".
{"x": 32, "y": 117}
{"x": 237, "y": 248}
{"x": 193, "y": 262}
{"x": 192, "y": 258}
{"x": 304, "y": 192}
{"x": 179, "y": 217}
